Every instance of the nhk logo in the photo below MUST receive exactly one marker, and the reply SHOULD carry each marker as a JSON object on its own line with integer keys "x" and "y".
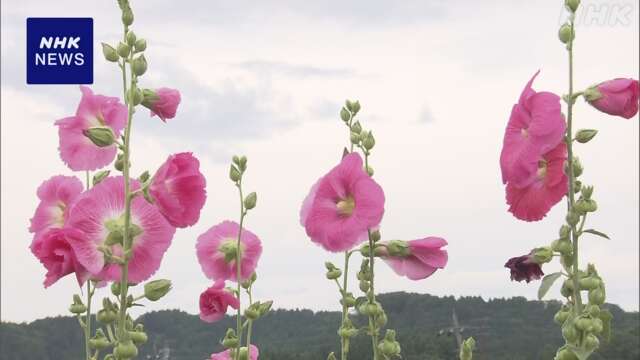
{"x": 59, "y": 50}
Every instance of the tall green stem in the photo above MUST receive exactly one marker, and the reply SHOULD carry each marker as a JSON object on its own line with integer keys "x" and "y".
{"x": 345, "y": 309}
{"x": 372, "y": 297}
{"x": 250, "y": 325}
{"x": 87, "y": 319}
{"x": 238, "y": 269}
{"x": 126, "y": 243}
{"x": 577, "y": 299}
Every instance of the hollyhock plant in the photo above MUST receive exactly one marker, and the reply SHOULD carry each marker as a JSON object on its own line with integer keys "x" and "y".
{"x": 217, "y": 249}
{"x": 342, "y": 206}
{"x": 178, "y": 189}
{"x": 416, "y": 259}
{"x": 536, "y": 125}
{"x": 618, "y": 97}
{"x": 56, "y": 195}
{"x": 57, "y": 255}
{"x": 77, "y": 150}
{"x": 524, "y": 268}
{"x": 99, "y": 214}
{"x": 214, "y": 302}
{"x": 162, "y": 102}
{"x": 549, "y": 177}
{"x": 226, "y": 355}
{"x": 533, "y": 202}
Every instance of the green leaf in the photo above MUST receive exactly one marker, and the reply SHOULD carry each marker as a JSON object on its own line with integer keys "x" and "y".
{"x": 606, "y": 317}
{"x": 596, "y": 232}
{"x": 547, "y": 281}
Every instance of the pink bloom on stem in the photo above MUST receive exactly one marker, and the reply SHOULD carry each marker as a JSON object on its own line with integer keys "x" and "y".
{"x": 217, "y": 249}
{"x": 226, "y": 355}
{"x": 54, "y": 251}
{"x": 214, "y": 302}
{"x": 76, "y": 149}
{"x": 178, "y": 190}
{"x": 533, "y": 202}
{"x": 416, "y": 259}
{"x": 536, "y": 125}
{"x": 617, "y": 97}
{"x": 56, "y": 195}
{"x": 162, "y": 102}
{"x": 99, "y": 213}
{"x": 524, "y": 268}
{"x": 342, "y": 206}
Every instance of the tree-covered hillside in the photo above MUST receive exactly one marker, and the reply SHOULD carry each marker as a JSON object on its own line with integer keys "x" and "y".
{"x": 513, "y": 329}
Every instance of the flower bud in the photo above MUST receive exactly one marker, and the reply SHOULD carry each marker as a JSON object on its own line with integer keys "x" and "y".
{"x": 119, "y": 163}
{"x": 140, "y": 45}
{"x": 375, "y": 236}
{"x": 265, "y": 307}
{"x": 565, "y": 354}
{"x": 230, "y": 339}
{"x": 109, "y": 53}
{"x": 99, "y": 341}
{"x": 566, "y": 34}
{"x": 334, "y": 274}
{"x": 572, "y": 218}
{"x": 101, "y": 136}
{"x": 130, "y": 38}
{"x": 126, "y": 350}
{"x": 585, "y": 135}
{"x": 567, "y": 288}
{"x": 99, "y": 176}
{"x": 329, "y": 265}
{"x": 577, "y": 167}
{"x": 572, "y": 5}
{"x": 348, "y": 300}
{"x": 251, "y": 313}
{"x": 564, "y": 231}
{"x": 597, "y": 326}
{"x": 355, "y": 107}
{"x": 347, "y": 332}
{"x": 586, "y": 192}
{"x": 589, "y": 283}
{"x": 381, "y": 320}
{"x": 127, "y": 17}
{"x": 134, "y": 95}
{"x": 583, "y": 324}
{"x": 354, "y": 138}
{"x": 542, "y": 255}
{"x": 591, "y": 342}
{"x": 593, "y": 310}
{"x": 77, "y": 307}
{"x": 250, "y": 201}
{"x": 569, "y": 332}
{"x": 389, "y": 347}
{"x": 369, "y": 142}
{"x": 115, "y": 288}
{"x": 138, "y": 337}
{"x": 596, "y": 297}
{"x": 561, "y": 316}
{"x": 156, "y": 289}
{"x": 562, "y": 246}
{"x": 345, "y": 115}
{"x": 577, "y": 186}
{"x": 234, "y": 174}
{"x": 106, "y": 316}
{"x": 364, "y": 286}
{"x": 123, "y": 50}
{"x": 356, "y": 127}
{"x": 139, "y": 65}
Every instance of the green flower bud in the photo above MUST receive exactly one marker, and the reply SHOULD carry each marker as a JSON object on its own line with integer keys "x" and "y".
{"x": 577, "y": 186}
{"x": 99, "y": 176}
{"x": 587, "y": 192}
{"x": 597, "y": 326}
{"x": 589, "y": 283}
{"x": 566, "y": 34}
{"x": 242, "y": 163}
{"x": 562, "y": 246}
{"x": 561, "y": 316}
{"x": 369, "y": 142}
{"x": 334, "y": 274}
{"x": 466, "y": 352}
{"x": 119, "y": 163}
{"x": 565, "y": 354}
{"x": 329, "y": 265}
{"x": 569, "y": 332}
{"x": 542, "y": 255}
{"x": 134, "y": 95}
{"x": 356, "y": 127}
{"x": 144, "y": 176}
{"x": 593, "y": 310}
{"x": 126, "y": 350}
{"x": 109, "y": 52}
{"x": 127, "y": 17}
{"x": 577, "y": 167}
{"x": 381, "y": 320}
{"x": 140, "y": 45}
{"x": 585, "y": 135}
{"x": 251, "y": 313}
{"x": 138, "y": 337}
{"x": 106, "y": 316}
{"x": 123, "y": 50}
{"x": 375, "y": 236}
{"x": 567, "y": 288}
{"x": 398, "y": 248}
{"x": 139, "y": 65}
{"x": 130, "y": 38}
{"x": 347, "y": 332}
{"x": 234, "y": 174}
{"x": 564, "y": 231}
{"x": 572, "y": 5}
{"x": 265, "y": 307}
{"x": 354, "y": 138}
{"x": 77, "y": 308}
{"x": 345, "y": 115}
{"x": 583, "y": 324}
{"x": 596, "y": 297}
{"x": 389, "y": 347}
{"x": 156, "y": 289}
{"x": 591, "y": 342}
{"x": 572, "y": 218}
{"x": 99, "y": 341}
{"x": 355, "y": 107}
{"x": 101, "y": 136}
{"x": 230, "y": 339}
{"x": 349, "y": 300}
{"x": 250, "y": 201}
{"x": 115, "y": 288}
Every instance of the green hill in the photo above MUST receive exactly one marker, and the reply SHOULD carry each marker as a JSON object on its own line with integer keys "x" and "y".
{"x": 505, "y": 329}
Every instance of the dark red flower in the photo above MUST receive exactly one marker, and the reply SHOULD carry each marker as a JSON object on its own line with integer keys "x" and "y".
{"x": 524, "y": 268}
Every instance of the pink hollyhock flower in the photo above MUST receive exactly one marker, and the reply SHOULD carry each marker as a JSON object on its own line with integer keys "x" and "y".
{"x": 617, "y": 97}
{"x": 416, "y": 259}
{"x": 536, "y": 125}
{"x": 178, "y": 189}
{"x": 214, "y": 302}
{"x": 162, "y": 102}
{"x": 217, "y": 249}
{"x": 226, "y": 355}
{"x": 99, "y": 214}
{"x": 533, "y": 202}
{"x": 77, "y": 150}
{"x": 524, "y": 268}
{"x": 57, "y": 255}
{"x": 56, "y": 195}
{"x": 342, "y": 206}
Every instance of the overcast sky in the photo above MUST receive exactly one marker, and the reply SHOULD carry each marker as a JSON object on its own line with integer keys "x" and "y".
{"x": 436, "y": 80}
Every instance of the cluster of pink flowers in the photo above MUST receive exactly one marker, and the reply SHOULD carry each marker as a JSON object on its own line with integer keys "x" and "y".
{"x": 346, "y": 203}
{"x": 79, "y": 230}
